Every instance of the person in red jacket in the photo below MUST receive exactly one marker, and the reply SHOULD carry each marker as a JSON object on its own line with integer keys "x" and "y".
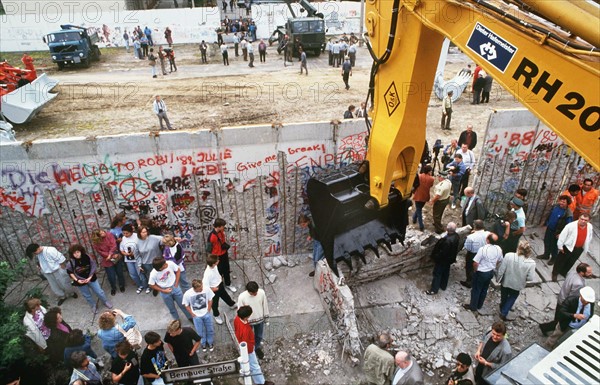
{"x": 245, "y": 333}
{"x": 219, "y": 248}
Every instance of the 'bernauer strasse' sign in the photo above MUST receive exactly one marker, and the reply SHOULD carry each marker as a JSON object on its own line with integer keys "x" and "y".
{"x": 200, "y": 371}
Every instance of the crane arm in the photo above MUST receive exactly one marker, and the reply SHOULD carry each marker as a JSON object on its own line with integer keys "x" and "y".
{"x": 554, "y": 74}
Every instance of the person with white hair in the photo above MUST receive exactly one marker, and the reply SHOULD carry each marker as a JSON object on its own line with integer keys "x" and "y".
{"x": 444, "y": 255}
{"x": 407, "y": 371}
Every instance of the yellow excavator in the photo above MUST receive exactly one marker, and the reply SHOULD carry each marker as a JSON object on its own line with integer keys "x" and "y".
{"x": 544, "y": 52}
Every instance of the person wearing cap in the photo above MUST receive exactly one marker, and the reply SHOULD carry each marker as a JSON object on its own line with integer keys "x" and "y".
{"x": 447, "y": 110}
{"x": 573, "y": 313}
{"x": 512, "y": 233}
{"x": 457, "y": 169}
{"x": 574, "y": 240}
{"x": 441, "y": 196}
{"x": 573, "y": 283}
{"x": 346, "y": 71}
{"x": 464, "y": 370}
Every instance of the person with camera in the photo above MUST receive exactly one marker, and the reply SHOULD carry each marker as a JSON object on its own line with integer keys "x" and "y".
{"x": 111, "y": 332}
{"x": 84, "y": 371}
{"x": 469, "y": 161}
{"x": 105, "y": 245}
{"x": 160, "y": 109}
{"x": 133, "y": 261}
{"x": 219, "y": 247}
{"x": 456, "y": 171}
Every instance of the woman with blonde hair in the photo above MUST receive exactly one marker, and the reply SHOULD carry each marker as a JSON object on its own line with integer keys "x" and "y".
{"x": 109, "y": 331}
{"x": 105, "y": 244}
{"x": 174, "y": 252}
{"x": 33, "y": 320}
{"x": 514, "y": 272}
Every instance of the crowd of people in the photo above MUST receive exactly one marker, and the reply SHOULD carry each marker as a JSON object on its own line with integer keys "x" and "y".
{"x": 156, "y": 264}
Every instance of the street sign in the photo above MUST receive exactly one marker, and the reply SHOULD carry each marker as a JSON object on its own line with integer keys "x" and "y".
{"x": 198, "y": 372}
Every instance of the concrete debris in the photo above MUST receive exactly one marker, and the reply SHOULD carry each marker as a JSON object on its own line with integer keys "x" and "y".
{"x": 448, "y": 356}
{"x": 268, "y": 265}
{"x": 282, "y": 260}
{"x": 277, "y": 263}
{"x": 272, "y": 278}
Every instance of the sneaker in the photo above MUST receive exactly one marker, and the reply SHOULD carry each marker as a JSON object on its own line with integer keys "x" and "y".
{"x": 429, "y": 292}
{"x": 61, "y": 301}
{"x": 453, "y": 206}
{"x": 122, "y": 289}
{"x": 232, "y": 288}
{"x": 219, "y": 320}
{"x": 204, "y": 348}
{"x": 211, "y": 348}
{"x": 75, "y": 295}
{"x": 108, "y": 304}
{"x": 148, "y": 290}
{"x": 139, "y": 290}
{"x": 311, "y": 274}
{"x": 113, "y": 291}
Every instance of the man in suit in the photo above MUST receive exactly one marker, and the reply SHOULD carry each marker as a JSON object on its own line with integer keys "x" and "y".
{"x": 444, "y": 255}
{"x": 473, "y": 208}
{"x": 407, "y": 371}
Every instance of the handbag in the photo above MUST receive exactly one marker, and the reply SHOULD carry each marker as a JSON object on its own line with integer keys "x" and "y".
{"x": 133, "y": 336}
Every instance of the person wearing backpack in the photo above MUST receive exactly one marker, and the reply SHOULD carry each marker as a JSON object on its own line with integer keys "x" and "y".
{"x": 217, "y": 245}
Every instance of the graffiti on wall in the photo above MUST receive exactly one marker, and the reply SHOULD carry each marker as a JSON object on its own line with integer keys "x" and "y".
{"x": 182, "y": 191}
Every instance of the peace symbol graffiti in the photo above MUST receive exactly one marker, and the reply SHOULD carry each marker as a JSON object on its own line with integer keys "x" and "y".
{"x": 134, "y": 189}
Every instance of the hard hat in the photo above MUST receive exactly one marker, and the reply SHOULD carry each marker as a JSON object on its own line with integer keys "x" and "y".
{"x": 588, "y": 294}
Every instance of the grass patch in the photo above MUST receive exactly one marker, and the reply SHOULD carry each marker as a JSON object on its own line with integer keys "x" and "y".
{"x": 41, "y": 58}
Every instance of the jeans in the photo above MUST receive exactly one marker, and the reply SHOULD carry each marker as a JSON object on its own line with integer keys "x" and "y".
{"x": 255, "y": 370}
{"x": 114, "y": 273}
{"x": 205, "y": 328}
{"x": 456, "y": 191}
{"x": 136, "y": 275}
{"x": 95, "y": 287}
{"x": 147, "y": 267}
{"x": 508, "y": 297}
{"x": 469, "y": 266}
{"x": 441, "y": 273}
{"x": 481, "y": 283}
{"x": 418, "y": 214}
{"x": 550, "y": 246}
{"x": 175, "y": 296}
{"x": 259, "y": 329}
{"x": 183, "y": 282}
{"x": 318, "y": 252}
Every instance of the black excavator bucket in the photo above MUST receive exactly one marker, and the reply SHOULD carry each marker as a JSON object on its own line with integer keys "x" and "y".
{"x": 344, "y": 226}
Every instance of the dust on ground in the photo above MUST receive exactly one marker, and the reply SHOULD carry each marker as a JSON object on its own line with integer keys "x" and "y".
{"x": 115, "y": 95}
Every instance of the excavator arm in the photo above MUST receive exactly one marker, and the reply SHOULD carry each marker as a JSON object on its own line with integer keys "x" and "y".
{"x": 555, "y": 75}
{"x": 545, "y": 53}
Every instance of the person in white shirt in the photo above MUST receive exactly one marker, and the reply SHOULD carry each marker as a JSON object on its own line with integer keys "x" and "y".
{"x": 485, "y": 262}
{"x": 160, "y": 109}
{"x": 244, "y": 46}
{"x": 257, "y": 300}
{"x": 198, "y": 301}
{"x": 133, "y": 260}
{"x": 473, "y": 243}
{"x": 225, "y": 54}
{"x": 470, "y": 162}
{"x": 51, "y": 263}
{"x": 250, "y": 49}
{"x": 407, "y": 371}
{"x": 212, "y": 279}
{"x": 164, "y": 278}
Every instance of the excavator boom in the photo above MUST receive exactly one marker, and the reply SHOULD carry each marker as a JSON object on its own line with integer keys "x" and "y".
{"x": 529, "y": 47}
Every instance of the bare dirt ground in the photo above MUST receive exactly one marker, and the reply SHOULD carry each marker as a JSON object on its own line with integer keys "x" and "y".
{"x": 115, "y": 95}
